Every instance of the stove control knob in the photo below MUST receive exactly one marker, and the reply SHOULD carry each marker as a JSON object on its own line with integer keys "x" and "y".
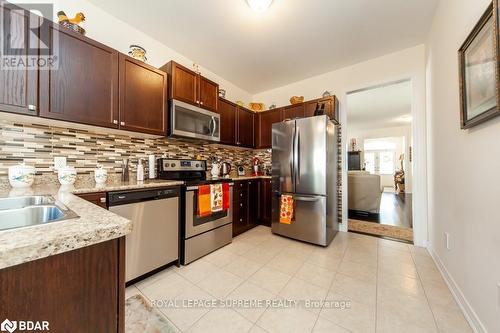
{"x": 172, "y": 165}
{"x": 197, "y": 165}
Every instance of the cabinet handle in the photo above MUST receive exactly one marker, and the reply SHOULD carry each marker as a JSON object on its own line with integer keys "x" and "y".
{"x": 103, "y": 200}
{"x": 32, "y": 107}
{"x": 241, "y": 220}
{"x": 201, "y": 103}
{"x": 197, "y": 102}
{"x": 115, "y": 122}
{"x": 122, "y": 123}
{"x": 241, "y": 205}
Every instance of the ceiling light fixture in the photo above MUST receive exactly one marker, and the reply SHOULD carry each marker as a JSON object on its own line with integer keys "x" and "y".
{"x": 259, "y": 5}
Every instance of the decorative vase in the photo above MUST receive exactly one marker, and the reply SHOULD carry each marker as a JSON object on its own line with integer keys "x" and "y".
{"x": 66, "y": 175}
{"x": 21, "y": 175}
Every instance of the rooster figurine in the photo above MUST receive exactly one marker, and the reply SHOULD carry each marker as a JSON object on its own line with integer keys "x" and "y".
{"x": 71, "y": 23}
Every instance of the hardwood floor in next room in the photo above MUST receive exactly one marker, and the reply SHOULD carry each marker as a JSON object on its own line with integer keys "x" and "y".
{"x": 379, "y": 285}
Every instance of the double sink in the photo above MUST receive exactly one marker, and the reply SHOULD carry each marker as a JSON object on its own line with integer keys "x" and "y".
{"x": 18, "y": 212}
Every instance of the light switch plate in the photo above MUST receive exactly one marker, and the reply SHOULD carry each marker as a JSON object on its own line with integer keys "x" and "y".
{"x": 59, "y": 162}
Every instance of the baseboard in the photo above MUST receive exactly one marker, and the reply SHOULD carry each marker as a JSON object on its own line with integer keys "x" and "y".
{"x": 468, "y": 311}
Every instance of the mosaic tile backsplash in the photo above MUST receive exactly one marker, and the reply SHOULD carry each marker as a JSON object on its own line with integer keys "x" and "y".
{"x": 37, "y": 145}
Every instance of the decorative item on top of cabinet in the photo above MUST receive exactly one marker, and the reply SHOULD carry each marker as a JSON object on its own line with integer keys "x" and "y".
{"x": 19, "y": 86}
{"x": 190, "y": 87}
{"x": 326, "y": 94}
{"x": 296, "y": 99}
{"x": 256, "y": 107}
{"x": 222, "y": 93}
{"x": 137, "y": 52}
{"x": 72, "y": 23}
{"x": 143, "y": 97}
{"x": 272, "y": 106}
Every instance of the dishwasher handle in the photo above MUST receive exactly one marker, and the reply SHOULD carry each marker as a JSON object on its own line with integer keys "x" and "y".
{"x": 127, "y": 197}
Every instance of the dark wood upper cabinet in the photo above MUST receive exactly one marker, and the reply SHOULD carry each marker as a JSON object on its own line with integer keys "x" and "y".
{"x": 190, "y": 87}
{"x": 143, "y": 97}
{"x": 245, "y": 132}
{"x": 18, "y": 91}
{"x": 265, "y": 122}
{"x": 183, "y": 83}
{"x": 228, "y": 113}
{"x": 293, "y": 111}
{"x": 331, "y": 107}
{"x": 84, "y": 88}
{"x": 209, "y": 94}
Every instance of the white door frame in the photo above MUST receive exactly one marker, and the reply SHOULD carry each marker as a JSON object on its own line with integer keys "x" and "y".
{"x": 419, "y": 158}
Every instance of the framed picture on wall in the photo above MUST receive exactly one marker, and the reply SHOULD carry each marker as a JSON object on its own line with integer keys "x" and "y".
{"x": 478, "y": 68}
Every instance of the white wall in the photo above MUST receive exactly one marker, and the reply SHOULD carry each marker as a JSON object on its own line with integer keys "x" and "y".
{"x": 387, "y": 132}
{"x": 464, "y": 177}
{"x": 405, "y": 64}
{"x": 109, "y": 30}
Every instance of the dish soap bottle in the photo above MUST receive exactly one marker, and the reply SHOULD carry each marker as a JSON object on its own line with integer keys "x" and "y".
{"x": 140, "y": 171}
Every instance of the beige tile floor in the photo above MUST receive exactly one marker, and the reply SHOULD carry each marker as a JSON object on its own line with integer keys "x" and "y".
{"x": 377, "y": 285}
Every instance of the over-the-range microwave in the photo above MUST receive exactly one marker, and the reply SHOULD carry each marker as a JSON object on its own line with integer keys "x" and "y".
{"x": 189, "y": 121}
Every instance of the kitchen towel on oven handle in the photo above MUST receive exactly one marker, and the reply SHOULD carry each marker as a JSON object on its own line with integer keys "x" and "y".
{"x": 204, "y": 200}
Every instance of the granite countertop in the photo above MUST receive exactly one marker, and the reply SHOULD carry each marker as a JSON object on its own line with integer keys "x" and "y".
{"x": 94, "y": 224}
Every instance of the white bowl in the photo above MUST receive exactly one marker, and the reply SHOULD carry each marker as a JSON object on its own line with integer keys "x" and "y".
{"x": 21, "y": 175}
{"x": 66, "y": 175}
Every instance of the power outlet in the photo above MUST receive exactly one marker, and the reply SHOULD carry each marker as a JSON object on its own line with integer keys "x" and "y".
{"x": 59, "y": 162}
{"x": 447, "y": 240}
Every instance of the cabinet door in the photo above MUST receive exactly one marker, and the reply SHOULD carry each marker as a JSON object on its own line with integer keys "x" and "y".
{"x": 98, "y": 198}
{"x": 245, "y": 128}
{"x": 209, "y": 94}
{"x": 84, "y": 88}
{"x": 310, "y": 107}
{"x": 265, "y": 202}
{"x": 184, "y": 84}
{"x": 253, "y": 202}
{"x": 143, "y": 97}
{"x": 18, "y": 87}
{"x": 227, "y": 113}
{"x": 266, "y": 121}
{"x": 294, "y": 111}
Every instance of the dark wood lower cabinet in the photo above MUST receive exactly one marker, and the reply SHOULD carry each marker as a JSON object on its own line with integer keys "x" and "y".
{"x": 81, "y": 290}
{"x": 98, "y": 198}
{"x": 265, "y": 207}
{"x": 245, "y": 205}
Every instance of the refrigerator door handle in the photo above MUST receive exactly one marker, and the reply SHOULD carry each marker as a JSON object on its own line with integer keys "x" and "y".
{"x": 292, "y": 159}
{"x": 297, "y": 148}
{"x": 310, "y": 199}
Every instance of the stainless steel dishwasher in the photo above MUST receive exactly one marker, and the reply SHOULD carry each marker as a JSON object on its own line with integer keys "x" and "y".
{"x": 154, "y": 240}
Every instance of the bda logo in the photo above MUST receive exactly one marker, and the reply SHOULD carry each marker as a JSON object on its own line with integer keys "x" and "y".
{"x": 8, "y": 326}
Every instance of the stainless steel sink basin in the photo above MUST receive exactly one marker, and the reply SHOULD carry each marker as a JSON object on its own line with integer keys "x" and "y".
{"x": 21, "y": 202}
{"x": 18, "y": 212}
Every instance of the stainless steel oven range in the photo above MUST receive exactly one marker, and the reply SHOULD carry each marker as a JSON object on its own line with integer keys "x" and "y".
{"x": 198, "y": 235}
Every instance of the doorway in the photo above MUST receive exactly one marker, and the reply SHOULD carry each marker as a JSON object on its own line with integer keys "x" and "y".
{"x": 379, "y": 138}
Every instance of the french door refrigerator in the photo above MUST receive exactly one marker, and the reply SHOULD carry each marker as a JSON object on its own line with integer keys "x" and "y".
{"x": 304, "y": 166}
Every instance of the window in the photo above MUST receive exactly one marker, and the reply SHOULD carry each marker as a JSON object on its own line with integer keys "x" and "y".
{"x": 380, "y": 155}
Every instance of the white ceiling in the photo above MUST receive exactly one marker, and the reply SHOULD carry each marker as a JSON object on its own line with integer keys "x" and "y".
{"x": 380, "y": 107}
{"x": 293, "y": 40}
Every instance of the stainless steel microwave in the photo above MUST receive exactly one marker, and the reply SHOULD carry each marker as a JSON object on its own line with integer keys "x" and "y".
{"x": 190, "y": 121}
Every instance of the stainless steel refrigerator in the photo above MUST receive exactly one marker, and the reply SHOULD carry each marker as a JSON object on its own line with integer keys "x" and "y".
{"x": 304, "y": 165}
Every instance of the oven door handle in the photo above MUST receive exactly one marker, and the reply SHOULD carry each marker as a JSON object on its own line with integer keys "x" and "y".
{"x": 193, "y": 188}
